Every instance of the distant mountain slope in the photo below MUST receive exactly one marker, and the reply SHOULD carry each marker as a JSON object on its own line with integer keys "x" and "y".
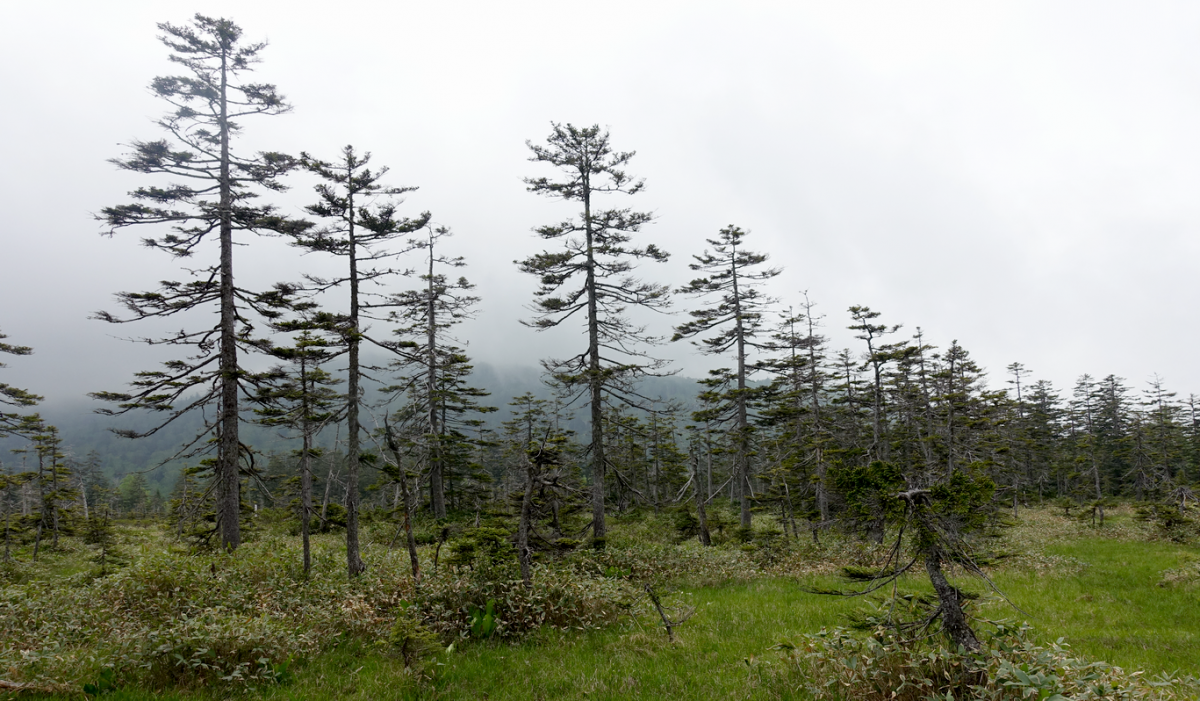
{"x": 83, "y": 430}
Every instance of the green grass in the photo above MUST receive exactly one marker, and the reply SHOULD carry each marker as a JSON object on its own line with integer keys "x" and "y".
{"x": 1111, "y": 607}
{"x": 1098, "y": 588}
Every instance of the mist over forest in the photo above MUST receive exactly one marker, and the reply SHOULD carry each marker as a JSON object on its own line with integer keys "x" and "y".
{"x": 319, "y": 351}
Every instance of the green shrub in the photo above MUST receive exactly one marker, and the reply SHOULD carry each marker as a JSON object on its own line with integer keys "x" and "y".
{"x": 412, "y": 640}
{"x": 559, "y": 597}
{"x": 885, "y": 666}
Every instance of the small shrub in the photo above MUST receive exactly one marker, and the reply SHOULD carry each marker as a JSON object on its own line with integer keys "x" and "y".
{"x": 686, "y": 524}
{"x": 412, "y": 640}
{"x": 882, "y": 666}
{"x": 1169, "y": 521}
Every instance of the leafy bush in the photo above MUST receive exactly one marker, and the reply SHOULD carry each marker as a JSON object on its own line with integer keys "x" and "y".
{"x": 175, "y": 620}
{"x": 559, "y": 597}
{"x": 412, "y": 640}
{"x": 839, "y": 664}
{"x": 1170, "y": 522}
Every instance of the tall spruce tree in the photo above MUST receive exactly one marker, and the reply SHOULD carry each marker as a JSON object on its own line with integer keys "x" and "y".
{"x": 362, "y": 220}
{"x": 733, "y": 319}
{"x": 590, "y": 276}
{"x": 301, "y": 397}
{"x": 437, "y": 369}
{"x": 877, "y": 356}
{"x": 208, "y": 193}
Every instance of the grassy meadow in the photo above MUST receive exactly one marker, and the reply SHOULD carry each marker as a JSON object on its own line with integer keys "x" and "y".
{"x": 1119, "y": 594}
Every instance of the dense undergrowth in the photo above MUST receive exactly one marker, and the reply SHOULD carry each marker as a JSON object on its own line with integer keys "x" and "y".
{"x": 172, "y": 620}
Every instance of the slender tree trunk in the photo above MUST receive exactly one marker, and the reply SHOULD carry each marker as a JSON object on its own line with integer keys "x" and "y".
{"x": 228, "y": 449}
{"x": 524, "y": 554}
{"x": 54, "y": 493}
{"x": 437, "y": 490}
{"x": 306, "y": 506}
{"x": 701, "y": 514}
{"x": 708, "y": 455}
{"x": 742, "y": 459}
{"x": 37, "y": 543}
{"x": 354, "y": 563}
{"x": 815, "y": 403}
{"x": 409, "y": 539}
{"x": 330, "y": 476}
{"x": 595, "y": 379}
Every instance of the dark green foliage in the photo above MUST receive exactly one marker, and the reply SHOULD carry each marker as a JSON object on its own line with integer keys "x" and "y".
{"x": 590, "y": 278}
{"x": 1172, "y": 522}
{"x": 685, "y": 522}
{"x": 12, "y": 422}
{"x": 411, "y": 639}
{"x": 106, "y": 682}
{"x": 101, "y": 535}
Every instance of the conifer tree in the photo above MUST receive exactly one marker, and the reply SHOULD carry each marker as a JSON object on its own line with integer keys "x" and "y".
{"x": 362, "y": 220}
{"x": 437, "y": 368}
{"x": 732, "y": 278}
{"x": 301, "y": 397}
{"x": 590, "y": 277}
{"x": 209, "y": 192}
{"x": 11, "y": 422}
{"x": 877, "y": 356}
{"x": 798, "y": 395}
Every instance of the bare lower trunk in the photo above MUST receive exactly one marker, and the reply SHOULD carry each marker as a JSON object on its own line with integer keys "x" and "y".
{"x": 524, "y": 555}
{"x": 599, "y": 529}
{"x": 701, "y": 516}
{"x": 306, "y": 505}
{"x": 329, "y": 478}
{"x": 228, "y": 446}
{"x": 954, "y": 621}
{"x": 409, "y": 539}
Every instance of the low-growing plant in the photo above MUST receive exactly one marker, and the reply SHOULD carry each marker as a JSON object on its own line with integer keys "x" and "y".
{"x": 1170, "y": 522}
{"x": 412, "y": 640}
{"x": 886, "y": 666}
{"x": 483, "y": 621}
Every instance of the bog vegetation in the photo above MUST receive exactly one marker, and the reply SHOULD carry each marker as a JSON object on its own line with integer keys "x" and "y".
{"x": 875, "y": 522}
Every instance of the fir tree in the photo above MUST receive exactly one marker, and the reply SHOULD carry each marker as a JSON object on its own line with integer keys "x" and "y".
{"x": 590, "y": 277}
{"x": 209, "y": 194}
{"x": 362, "y": 220}
{"x": 732, "y": 278}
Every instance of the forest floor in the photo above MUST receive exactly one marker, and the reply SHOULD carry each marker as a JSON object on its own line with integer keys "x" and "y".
{"x": 1117, "y": 593}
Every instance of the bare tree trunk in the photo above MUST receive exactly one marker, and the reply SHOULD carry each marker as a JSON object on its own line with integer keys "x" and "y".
{"x": 228, "y": 448}
{"x": 306, "y": 506}
{"x": 329, "y": 479}
{"x": 954, "y": 621}
{"x": 437, "y": 489}
{"x": 595, "y": 380}
{"x": 524, "y": 555}
{"x": 701, "y": 516}
{"x": 409, "y": 539}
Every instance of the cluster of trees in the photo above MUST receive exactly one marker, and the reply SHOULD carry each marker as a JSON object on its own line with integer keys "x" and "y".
{"x": 819, "y": 436}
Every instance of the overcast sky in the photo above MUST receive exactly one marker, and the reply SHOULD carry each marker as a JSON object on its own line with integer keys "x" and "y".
{"x": 1021, "y": 176}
